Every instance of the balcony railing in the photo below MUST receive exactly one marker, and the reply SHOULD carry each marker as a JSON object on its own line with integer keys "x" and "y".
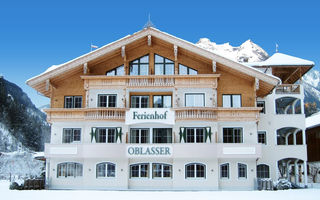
{"x": 218, "y": 114}
{"x": 65, "y": 114}
{"x": 200, "y": 80}
{"x": 288, "y": 89}
{"x": 184, "y": 113}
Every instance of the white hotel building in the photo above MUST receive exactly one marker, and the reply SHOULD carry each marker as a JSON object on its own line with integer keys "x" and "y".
{"x": 152, "y": 111}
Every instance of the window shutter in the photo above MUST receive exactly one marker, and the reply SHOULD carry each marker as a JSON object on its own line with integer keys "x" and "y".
{"x": 208, "y": 133}
{"x": 93, "y": 134}
{"x": 182, "y": 134}
{"x": 118, "y": 134}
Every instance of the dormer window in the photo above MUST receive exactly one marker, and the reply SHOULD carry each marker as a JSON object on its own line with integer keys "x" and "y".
{"x": 163, "y": 66}
{"x": 140, "y": 66}
{"x": 184, "y": 70}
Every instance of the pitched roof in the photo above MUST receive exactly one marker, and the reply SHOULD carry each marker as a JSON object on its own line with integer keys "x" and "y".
{"x": 280, "y": 59}
{"x": 57, "y": 70}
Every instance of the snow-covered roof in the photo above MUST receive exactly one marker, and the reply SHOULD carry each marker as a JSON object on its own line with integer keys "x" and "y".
{"x": 313, "y": 120}
{"x": 57, "y": 70}
{"x": 280, "y": 59}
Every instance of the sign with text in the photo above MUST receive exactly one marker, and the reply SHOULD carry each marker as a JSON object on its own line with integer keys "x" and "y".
{"x": 150, "y": 115}
{"x": 149, "y": 151}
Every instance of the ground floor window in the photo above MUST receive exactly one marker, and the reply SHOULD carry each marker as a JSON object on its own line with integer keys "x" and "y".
{"x": 139, "y": 170}
{"x": 195, "y": 170}
{"x": 263, "y": 171}
{"x": 69, "y": 169}
{"x": 106, "y": 169}
{"x": 224, "y": 170}
{"x": 160, "y": 170}
{"x": 242, "y": 170}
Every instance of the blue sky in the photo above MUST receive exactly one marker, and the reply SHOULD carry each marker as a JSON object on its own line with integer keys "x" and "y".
{"x": 37, "y": 34}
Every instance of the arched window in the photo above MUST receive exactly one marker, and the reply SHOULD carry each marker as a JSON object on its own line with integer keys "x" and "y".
{"x": 163, "y": 66}
{"x": 106, "y": 170}
{"x": 195, "y": 170}
{"x": 288, "y": 105}
{"x": 224, "y": 170}
{"x": 140, "y": 66}
{"x": 263, "y": 171}
{"x": 242, "y": 170}
{"x": 69, "y": 169}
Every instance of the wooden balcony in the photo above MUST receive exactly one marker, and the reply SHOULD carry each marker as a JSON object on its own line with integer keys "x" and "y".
{"x": 162, "y": 81}
{"x": 288, "y": 89}
{"x": 119, "y": 114}
{"x": 79, "y": 114}
{"x": 218, "y": 114}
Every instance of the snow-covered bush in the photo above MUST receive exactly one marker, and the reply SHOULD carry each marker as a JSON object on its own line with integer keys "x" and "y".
{"x": 20, "y": 165}
{"x": 282, "y": 184}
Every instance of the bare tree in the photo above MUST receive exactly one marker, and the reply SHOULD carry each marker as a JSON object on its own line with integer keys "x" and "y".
{"x": 314, "y": 170}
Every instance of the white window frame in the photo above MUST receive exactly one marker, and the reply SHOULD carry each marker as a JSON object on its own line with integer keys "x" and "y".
{"x": 162, "y": 170}
{"x": 140, "y": 96}
{"x": 72, "y": 136}
{"x": 66, "y": 169}
{"x": 263, "y": 111}
{"x": 243, "y": 131}
{"x": 195, "y": 171}
{"x": 116, "y": 71}
{"x": 106, "y": 170}
{"x": 195, "y": 134}
{"x": 73, "y": 101}
{"x": 107, "y": 134}
{"x": 246, "y": 170}
{"x": 265, "y": 165}
{"x": 107, "y": 102}
{"x": 228, "y": 172}
{"x": 231, "y": 100}
{"x": 265, "y": 136}
{"x": 139, "y": 176}
{"x": 185, "y": 99}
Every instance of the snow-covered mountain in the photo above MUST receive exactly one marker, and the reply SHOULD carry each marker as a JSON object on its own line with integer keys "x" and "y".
{"x": 246, "y": 52}
{"x": 22, "y": 125}
{"x": 251, "y": 52}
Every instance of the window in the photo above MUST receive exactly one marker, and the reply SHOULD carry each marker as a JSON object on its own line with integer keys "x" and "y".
{"x": 242, "y": 170}
{"x": 232, "y": 135}
{"x": 106, "y": 135}
{"x": 194, "y": 100}
{"x": 160, "y": 170}
{"x": 106, "y": 169}
{"x": 71, "y": 135}
{"x": 195, "y": 135}
{"x": 107, "y": 100}
{"x": 139, "y": 170}
{"x": 263, "y": 171}
{"x": 261, "y": 104}
{"x": 231, "y": 100}
{"x": 140, "y": 66}
{"x": 262, "y": 137}
{"x": 73, "y": 101}
{"x": 139, "y": 101}
{"x": 162, "y": 135}
{"x": 139, "y": 136}
{"x": 161, "y": 101}
{"x": 69, "y": 169}
{"x": 184, "y": 70}
{"x": 163, "y": 66}
{"x": 224, "y": 170}
{"x": 195, "y": 170}
{"x": 119, "y": 71}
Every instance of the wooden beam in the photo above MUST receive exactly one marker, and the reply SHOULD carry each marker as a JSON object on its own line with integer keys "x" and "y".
{"x": 214, "y": 66}
{"x": 149, "y": 40}
{"x": 295, "y": 71}
{"x": 85, "y": 68}
{"x": 123, "y": 53}
{"x": 175, "y": 52}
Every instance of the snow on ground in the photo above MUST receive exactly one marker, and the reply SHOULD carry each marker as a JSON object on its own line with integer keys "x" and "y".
{"x": 302, "y": 194}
